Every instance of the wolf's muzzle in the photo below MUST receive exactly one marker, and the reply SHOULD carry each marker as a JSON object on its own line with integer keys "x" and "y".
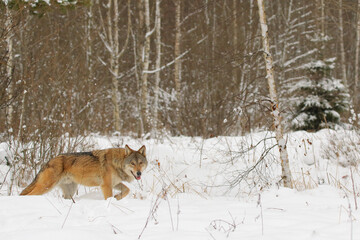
{"x": 137, "y": 176}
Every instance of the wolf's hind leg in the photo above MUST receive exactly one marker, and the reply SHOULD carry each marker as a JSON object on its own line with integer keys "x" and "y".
{"x": 68, "y": 189}
{"x": 124, "y": 191}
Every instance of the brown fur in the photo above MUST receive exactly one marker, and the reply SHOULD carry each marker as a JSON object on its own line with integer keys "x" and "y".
{"x": 105, "y": 168}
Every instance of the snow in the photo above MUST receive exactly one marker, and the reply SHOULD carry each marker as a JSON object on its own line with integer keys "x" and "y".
{"x": 331, "y": 84}
{"x": 283, "y": 214}
{"x": 293, "y": 60}
{"x": 302, "y": 120}
{"x": 185, "y": 193}
{"x": 319, "y": 64}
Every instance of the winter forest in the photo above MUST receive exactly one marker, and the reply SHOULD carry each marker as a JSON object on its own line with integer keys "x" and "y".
{"x": 234, "y": 100}
{"x": 181, "y": 68}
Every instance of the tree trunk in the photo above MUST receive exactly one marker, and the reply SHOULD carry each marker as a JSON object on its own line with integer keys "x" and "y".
{"x": 322, "y": 26}
{"x": 357, "y": 51}
{"x": 284, "y": 51}
{"x": 138, "y": 53}
{"x": 89, "y": 23}
{"x": 275, "y": 110}
{"x": 87, "y": 91}
{"x": 21, "y": 57}
{"x": 177, "y": 66}
{"x": 9, "y": 64}
{"x": 145, "y": 68}
{"x": 235, "y": 41}
{"x": 89, "y": 50}
{"x": 342, "y": 48}
{"x": 113, "y": 34}
{"x": 110, "y": 38}
{"x": 157, "y": 67}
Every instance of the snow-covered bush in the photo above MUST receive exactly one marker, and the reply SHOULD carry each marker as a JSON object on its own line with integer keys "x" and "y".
{"x": 319, "y": 98}
{"x": 343, "y": 148}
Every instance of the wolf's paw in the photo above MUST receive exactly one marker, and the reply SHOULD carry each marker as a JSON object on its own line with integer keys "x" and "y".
{"x": 120, "y": 196}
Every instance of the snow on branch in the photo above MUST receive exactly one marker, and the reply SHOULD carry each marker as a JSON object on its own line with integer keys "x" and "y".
{"x": 168, "y": 64}
{"x": 293, "y": 60}
{"x": 173, "y": 61}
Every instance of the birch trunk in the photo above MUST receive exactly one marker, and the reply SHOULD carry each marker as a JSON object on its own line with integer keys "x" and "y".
{"x": 157, "y": 66}
{"x": 275, "y": 110}
{"x": 145, "y": 68}
{"x": 9, "y": 64}
{"x": 177, "y": 66}
{"x": 342, "y": 48}
{"x": 355, "y": 93}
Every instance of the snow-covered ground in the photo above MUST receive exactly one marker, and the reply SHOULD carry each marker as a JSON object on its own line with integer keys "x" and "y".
{"x": 203, "y": 189}
{"x": 321, "y": 213}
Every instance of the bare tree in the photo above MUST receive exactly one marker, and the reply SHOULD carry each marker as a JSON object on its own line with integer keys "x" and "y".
{"x": 274, "y": 103}
{"x": 9, "y": 62}
{"x": 110, "y": 38}
{"x": 342, "y": 48}
{"x": 145, "y": 68}
{"x": 157, "y": 67}
{"x": 22, "y": 74}
{"x": 322, "y": 8}
{"x": 357, "y": 52}
{"x": 88, "y": 46}
{"x": 235, "y": 37}
{"x": 177, "y": 70}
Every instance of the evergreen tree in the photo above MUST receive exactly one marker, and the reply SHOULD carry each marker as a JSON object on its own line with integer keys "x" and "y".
{"x": 319, "y": 98}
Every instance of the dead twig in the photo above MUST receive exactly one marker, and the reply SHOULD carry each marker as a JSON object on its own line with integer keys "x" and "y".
{"x": 67, "y": 215}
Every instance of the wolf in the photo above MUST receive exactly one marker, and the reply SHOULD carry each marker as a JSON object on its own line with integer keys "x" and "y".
{"x": 106, "y": 168}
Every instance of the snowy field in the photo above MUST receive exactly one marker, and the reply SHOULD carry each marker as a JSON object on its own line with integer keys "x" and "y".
{"x": 218, "y": 188}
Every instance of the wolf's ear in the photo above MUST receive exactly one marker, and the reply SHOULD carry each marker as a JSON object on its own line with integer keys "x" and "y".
{"x": 128, "y": 150}
{"x": 142, "y": 150}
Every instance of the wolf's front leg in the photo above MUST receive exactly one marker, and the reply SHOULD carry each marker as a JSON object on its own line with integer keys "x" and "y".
{"x": 106, "y": 186}
{"x": 124, "y": 191}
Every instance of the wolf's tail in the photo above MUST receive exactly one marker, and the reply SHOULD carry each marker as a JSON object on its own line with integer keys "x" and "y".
{"x": 45, "y": 180}
{"x": 31, "y": 186}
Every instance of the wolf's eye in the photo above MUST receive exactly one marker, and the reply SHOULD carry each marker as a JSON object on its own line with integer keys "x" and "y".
{"x": 141, "y": 163}
{"x": 133, "y": 164}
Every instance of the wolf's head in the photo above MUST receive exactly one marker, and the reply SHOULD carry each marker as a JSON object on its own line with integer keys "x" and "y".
{"x": 135, "y": 162}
